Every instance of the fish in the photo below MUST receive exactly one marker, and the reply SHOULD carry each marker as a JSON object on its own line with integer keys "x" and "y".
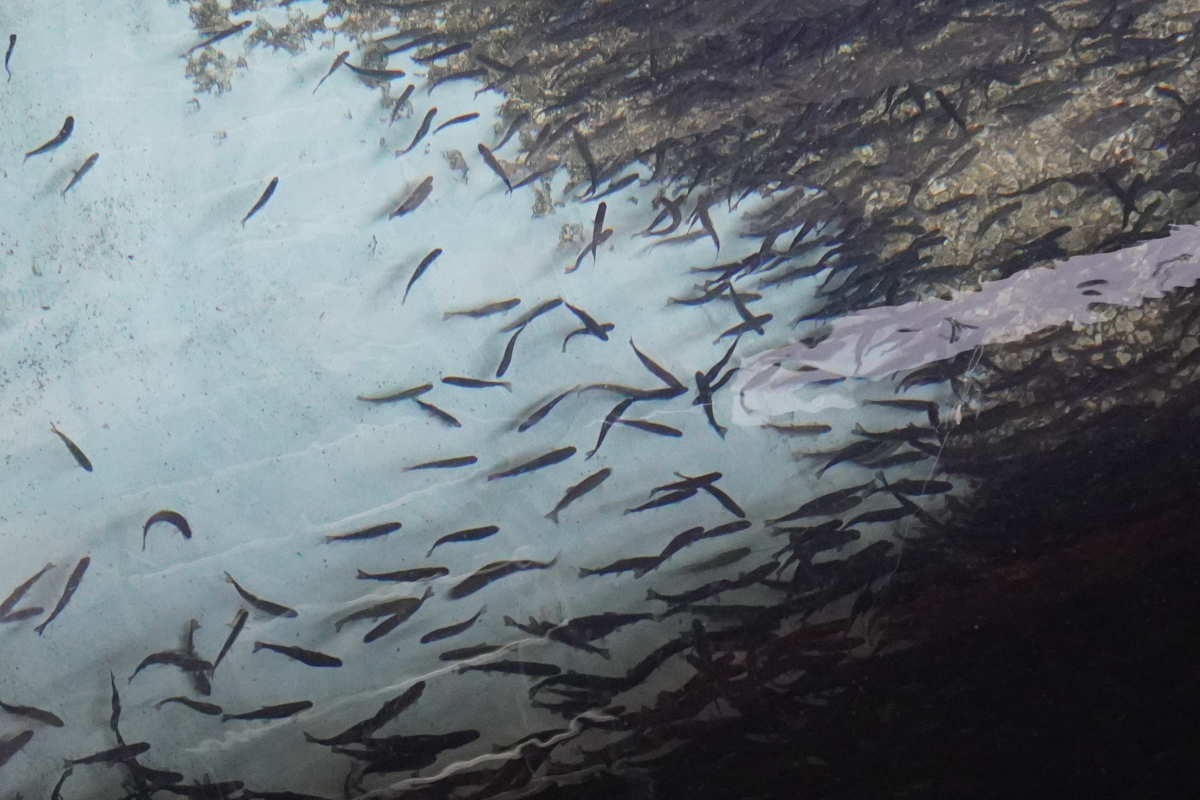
{"x": 638, "y": 565}
{"x": 12, "y": 42}
{"x": 652, "y": 427}
{"x": 400, "y": 101}
{"x": 589, "y": 325}
{"x": 606, "y": 329}
{"x": 720, "y": 560}
{"x": 114, "y": 756}
{"x": 265, "y": 606}
{"x": 422, "y": 130}
{"x": 405, "y": 575}
{"x": 493, "y": 572}
{"x": 800, "y": 430}
{"x": 394, "y": 621}
{"x": 239, "y": 621}
{"x": 445, "y": 463}
{"x": 11, "y": 601}
{"x": 337, "y": 62}
{"x": 533, "y": 176}
{"x": 929, "y": 407}
{"x": 452, "y": 630}
{"x": 494, "y": 165}
{"x": 577, "y": 491}
{"x": 68, "y": 592}
{"x": 172, "y": 517}
{"x": 506, "y": 359}
{"x": 610, "y": 419}
{"x": 262, "y": 201}
{"x": 474, "y": 383}
{"x": 406, "y": 394}
{"x": 457, "y": 120}
{"x": 56, "y": 792}
{"x": 855, "y": 451}
{"x": 912, "y": 486}
{"x": 452, "y": 50}
{"x": 693, "y": 535}
{"x": 716, "y": 587}
{"x": 532, "y": 314}
{"x": 698, "y": 482}
{"x": 80, "y": 458}
{"x": 63, "y": 134}
{"x": 361, "y": 731}
{"x": 499, "y": 307}
{"x": 541, "y": 462}
{"x": 281, "y": 711}
{"x": 665, "y": 500}
{"x": 374, "y": 532}
{"x": 701, "y": 213}
{"x": 599, "y": 237}
{"x": 29, "y": 712}
{"x": 310, "y": 657}
{"x": 512, "y": 667}
{"x": 445, "y": 417}
{"x": 468, "y": 75}
{"x": 211, "y": 709}
{"x": 415, "y": 199}
{"x": 188, "y": 662}
{"x": 230, "y": 31}
{"x": 1094, "y": 282}
{"x": 376, "y": 74}
{"x": 881, "y": 515}
{"x": 826, "y": 505}
{"x": 949, "y": 108}
{"x": 724, "y": 499}
{"x": 13, "y": 745}
{"x": 660, "y": 373}
{"x": 206, "y": 791}
{"x": 401, "y": 608}
{"x": 909, "y": 433}
{"x": 114, "y": 704}
{"x": 469, "y": 535}
{"x": 424, "y": 265}
{"x": 84, "y": 169}
{"x": 513, "y": 127}
{"x": 541, "y": 412}
{"x": 617, "y": 186}
{"x": 463, "y": 653}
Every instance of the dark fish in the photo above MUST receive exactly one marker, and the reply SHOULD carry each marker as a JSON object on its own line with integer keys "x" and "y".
{"x": 206, "y": 791}
{"x": 881, "y": 515}
{"x": 617, "y": 186}
{"x": 609, "y": 420}
{"x": 698, "y": 482}
{"x": 56, "y": 792}
{"x": 506, "y": 359}
{"x": 474, "y": 383}
{"x": 457, "y": 120}
{"x": 188, "y": 662}
{"x": 511, "y": 667}
{"x": 909, "y": 433}
{"x": 211, "y": 709}
{"x": 800, "y": 430}
{"x": 533, "y": 176}
{"x": 68, "y": 592}
{"x": 44, "y": 717}
{"x": 337, "y": 62}
{"x": 374, "y": 532}
{"x": 452, "y": 630}
{"x": 445, "y": 463}
{"x": 912, "y": 486}
{"x": 606, "y": 329}
{"x": 405, "y": 575}
{"x": 590, "y": 325}
{"x": 494, "y": 572}
{"x": 376, "y": 74}
{"x": 693, "y": 535}
{"x": 706, "y": 222}
{"x": 498, "y": 307}
{"x": 310, "y": 657}
{"x": 638, "y": 565}
{"x": 855, "y": 451}
{"x": 361, "y": 731}
{"x": 262, "y": 201}
{"x": 1095, "y": 282}
{"x": 230, "y": 31}
{"x": 437, "y": 412}
{"x": 394, "y": 621}
{"x": 660, "y": 373}
{"x": 928, "y": 407}
{"x": 415, "y": 199}
{"x": 13, "y": 745}
{"x": 652, "y": 427}
{"x": 63, "y": 134}
{"x": 716, "y": 587}
{"x": 11, "y": 601}
{"x": 407, "y": 394}
{"x": 166, "y": 515}
{"x": 421, "y": 131}
{"x": 532, "y": 314}
{"x": 949, "y": 108}
{"x": 86, "y": 167}
{"x": 12, "y": 42}
{"x": 469, "y": 535}
{"x": 513, "y": 127}
{"x": 468, "y": 75}
{"x": 577, "y": 491}
{"x": 540, "y": 414}
{"x": 265, "y": 606}
{"x": 452, "y": 50}
{"x": 400, "y": 101}
{"x": 463, "y": 653}
{"x": 494, "y": 165}
{"x": 725, "y": 500}
{"x": 542, "y": 461}
{"x": 281, "y": 711}
{"x": 239, "y": 622}
{"x": 114, "y": 756}
{"x": 424, "y": 265}
{"x": 826, "y": 504}
{"x": 400, "y": 609}
{"x": 80, "y": 458}
{"x": 719, "y": 560}
{"x": 665, "y": 500}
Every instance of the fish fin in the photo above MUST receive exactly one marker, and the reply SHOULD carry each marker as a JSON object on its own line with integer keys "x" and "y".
{"x": 553, "y": 516}
{"x": 258, "y": 646}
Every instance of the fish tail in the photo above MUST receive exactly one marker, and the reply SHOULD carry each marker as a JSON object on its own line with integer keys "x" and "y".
{"x": 583, "y": 572}
{"x": 651, "y": 594}
{"x": 258, "y": 646}
{"x": 553, "y": 516}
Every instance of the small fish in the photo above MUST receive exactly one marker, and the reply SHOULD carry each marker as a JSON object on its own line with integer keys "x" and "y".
{"x": 532, "y": 314}
{"x": 29, "y": 712}
{"x": 912, "y": 486}
{"x": 211, "y": 709}
{"x": 376, "y": 74}
{"x": 424, "y": 265}
{"x": 826, "y": 505}
{"x": 86, "y": 167}
{"x": 800, "y": 430}
{"x": 606, "y": 329}
{"x": 114, "y": 756}
{"x": 699, "y": 482}
{"x": 949, "y": 108}
{"x": 506, "y": 359}
{"x": 468, "y": 75}
{"x": 589, "y": 325}
{"x": 474, "y": 383}
{"x": 499, "y": 307}
{"x": 262, "y": 201}
{"x": 337, "y": 62}
{"x": 13, "y": 745}
{"x": 494, "y": 572}
{"x": 881, "y": 515}
{"x": 281, "y": 711}
{"x": 392, "y": 622}
{"x": 930, "y": 408}
{"x": 12, "y": 42}
{"x": 577, "y": 491}
{"x": 610, "y": 419}
{"x": 421, "y": 131}
{"x": 405, "y": 575}
{"x": 56, "y": 792}
{"x": 652, "y": 427}
{"x": 415, "y": 199}
{"x": 725, "y": 500}
{"x": 188, "y": 662}
{"x": 1094, "y": 282}
{"x": 513, "y": 127}
{"x": 664, "y": 500}
{"x": 361, "y": 731}
{"x": 682, "y": 540}
{"x": 660, "y": 373}
{"x": 638, "y": 565}
{"x": 265, "y": 606}
{"x": 719, "y": 560}
{"x": 68, "y": 592}
{"x": 437, "y": 412}
{"x": 533, "y": 176}
{"x": 406, "y": 394}
{"x": 241, "y": 26}
{"x": 512, "y": 667}
{"x": 374, "y": 532}
{"x": 540, "y": 414}
{"x": 446, "y": 52}
{"x": 400, "y": 101}
{"x": 310, "y": 657}
{"x": 172, "y": 517}
{"x": 588, "y": 161}
{"x": 463, "y": 653}
{"x": 468, "y": 535}
{"x": 617, "y": 186}
{"x": 542, "y": 461}
{"x": 11, "y": 601}
{"x": 63, "y": 134}
{"x": 239, "y": 622}
{"x": 494, "y": 165}
{"x": 457, "y": 120}
{"x": 80, "y": 458}
{"x": 445, "y": 463}
{"x": 208, "y": 791}
{"x": 452, "y": 630}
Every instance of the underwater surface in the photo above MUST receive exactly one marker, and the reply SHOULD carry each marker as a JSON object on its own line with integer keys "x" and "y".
{"x": 598, "y": 399}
